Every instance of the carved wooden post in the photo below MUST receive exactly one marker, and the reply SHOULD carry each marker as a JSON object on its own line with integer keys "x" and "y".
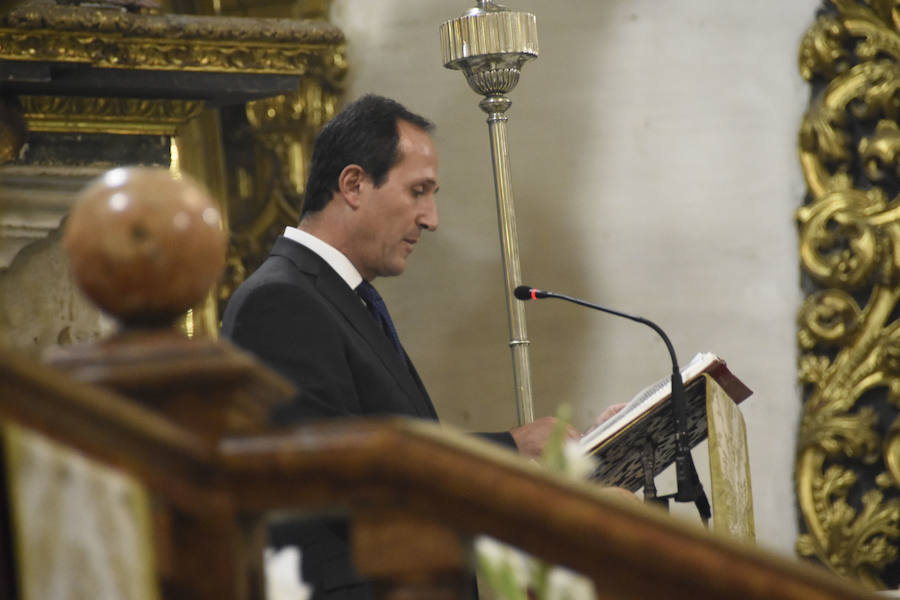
{"x": 145, "y": 247}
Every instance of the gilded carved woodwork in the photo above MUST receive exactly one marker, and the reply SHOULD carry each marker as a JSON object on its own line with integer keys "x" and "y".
{"x": 268, "y": 153}
{"x": 268, "y": 144}
{"x": 847, "y": 470}
{"x": 141, "y": 116}
{"x": 85, "y": 72}
{"x": 123, "y": 40}
{"x": 287, "y": 9}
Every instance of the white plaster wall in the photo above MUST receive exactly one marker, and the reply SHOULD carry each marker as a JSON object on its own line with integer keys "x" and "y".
{"x": 654, "y": 167}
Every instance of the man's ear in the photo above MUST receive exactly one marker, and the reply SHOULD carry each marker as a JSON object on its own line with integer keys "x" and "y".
{"x": 350, "y": 184}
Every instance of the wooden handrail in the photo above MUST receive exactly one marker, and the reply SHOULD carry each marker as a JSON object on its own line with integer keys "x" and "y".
{"x": 628, "y": 549}
{"x": 395, "y": 471}
{"x": 107, "y": 427}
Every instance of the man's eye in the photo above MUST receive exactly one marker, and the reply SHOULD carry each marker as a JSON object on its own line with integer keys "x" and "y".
{"x": 418, "y": 192}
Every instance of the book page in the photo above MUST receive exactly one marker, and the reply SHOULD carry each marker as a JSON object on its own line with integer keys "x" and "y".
{"x": 644, "y": 400}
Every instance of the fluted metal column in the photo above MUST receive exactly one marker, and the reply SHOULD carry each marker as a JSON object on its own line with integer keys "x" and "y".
{"x": 490, "y": 44}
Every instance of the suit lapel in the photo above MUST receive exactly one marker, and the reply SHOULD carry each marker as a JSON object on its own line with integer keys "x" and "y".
{"x": 348, "y": 303}
{"x": 429, "y": 407}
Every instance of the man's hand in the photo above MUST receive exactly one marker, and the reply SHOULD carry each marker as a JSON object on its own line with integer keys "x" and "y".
{"x": 532, "y": 437}
{"x": 609, "y": 413}
{"x": 605, "y": 416}
{"x": 621, "y": 493}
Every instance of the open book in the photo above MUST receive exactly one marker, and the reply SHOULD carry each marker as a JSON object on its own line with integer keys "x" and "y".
{"x": 646, "y": 423}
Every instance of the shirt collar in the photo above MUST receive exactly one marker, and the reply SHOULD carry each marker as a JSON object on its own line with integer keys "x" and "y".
{"x": 334, "y": 257}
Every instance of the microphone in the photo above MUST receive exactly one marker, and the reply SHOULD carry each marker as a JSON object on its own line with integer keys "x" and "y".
{"x": 525, "y": 293}
{"x": 689, "y": 487}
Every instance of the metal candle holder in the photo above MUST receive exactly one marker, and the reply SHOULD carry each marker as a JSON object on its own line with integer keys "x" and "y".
{"x": 490, "y": 43}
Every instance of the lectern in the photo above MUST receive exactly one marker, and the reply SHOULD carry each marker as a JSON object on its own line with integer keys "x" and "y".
{"x": 638, "y": 443}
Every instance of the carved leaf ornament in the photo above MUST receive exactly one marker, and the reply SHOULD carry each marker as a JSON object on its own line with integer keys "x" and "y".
{"x": 847, "y": 470}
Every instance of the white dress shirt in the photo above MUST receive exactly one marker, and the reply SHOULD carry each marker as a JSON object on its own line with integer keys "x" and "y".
{"x": 334, "y": 257}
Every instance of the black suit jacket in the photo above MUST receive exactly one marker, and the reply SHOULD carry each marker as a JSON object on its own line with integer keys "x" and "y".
{"x": 297, "y": 315}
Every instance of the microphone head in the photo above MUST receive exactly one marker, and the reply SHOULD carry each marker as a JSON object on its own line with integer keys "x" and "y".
{"x": 523, "y": 292}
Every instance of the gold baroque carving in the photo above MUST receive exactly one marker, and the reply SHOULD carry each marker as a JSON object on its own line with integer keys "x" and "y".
{"x": 117, "y": 51}
{"x": 267, "y": 195}
{"x": 113, "y": 39}
{"x": 83, "y": 19}
{"x": 847, "y": 472}
{"x": 268, "y": 144}
{"x": 294, "y": 9}
{"x": 108, "y": 115}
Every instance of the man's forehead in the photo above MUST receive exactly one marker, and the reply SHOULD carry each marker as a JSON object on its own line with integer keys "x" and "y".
{"x": 413, "y": 137}
{"x": 418, "y": 153}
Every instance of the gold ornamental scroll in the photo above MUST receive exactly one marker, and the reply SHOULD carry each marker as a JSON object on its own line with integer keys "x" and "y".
{"x": 846, "y": 475}
{"x": 266, "y": 137}
{"x": 268, "y": 142}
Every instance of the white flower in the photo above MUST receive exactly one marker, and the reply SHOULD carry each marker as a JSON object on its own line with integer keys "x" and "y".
{"x": 578, "y": 464}
{"x": 283, "y": 575}
{"x": 510, "y": 574}
{"x": 564, "y": 584}
{"x": 497, "y": 557}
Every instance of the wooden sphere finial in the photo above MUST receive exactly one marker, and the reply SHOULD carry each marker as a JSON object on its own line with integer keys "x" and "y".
{"x": 144, "y": 245}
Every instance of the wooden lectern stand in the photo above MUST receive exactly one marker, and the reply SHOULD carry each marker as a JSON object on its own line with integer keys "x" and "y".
{"x": 729, "y": 464}
{"x": 638, "y": 443}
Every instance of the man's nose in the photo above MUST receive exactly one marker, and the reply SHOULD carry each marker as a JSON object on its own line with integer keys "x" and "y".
{"x": 428, "y": 219}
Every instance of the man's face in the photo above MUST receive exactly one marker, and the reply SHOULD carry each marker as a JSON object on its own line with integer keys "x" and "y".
{"x": 395, "y": 213}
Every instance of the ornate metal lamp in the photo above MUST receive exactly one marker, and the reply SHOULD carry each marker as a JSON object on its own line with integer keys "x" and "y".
{"x": 490, "y": 43}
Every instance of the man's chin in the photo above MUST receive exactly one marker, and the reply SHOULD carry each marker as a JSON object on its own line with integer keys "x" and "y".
{"x": 394, "y": 269}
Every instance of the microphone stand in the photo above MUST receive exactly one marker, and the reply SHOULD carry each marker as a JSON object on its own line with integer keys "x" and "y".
{"x": 689, "y": 489}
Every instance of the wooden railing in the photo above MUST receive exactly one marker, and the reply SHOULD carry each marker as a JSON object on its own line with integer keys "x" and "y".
{"x": 187, "y": 419}
{"x": 416, "y": 494}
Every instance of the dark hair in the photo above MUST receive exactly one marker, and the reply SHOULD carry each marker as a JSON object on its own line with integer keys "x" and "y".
{"x": 363, "y": 133}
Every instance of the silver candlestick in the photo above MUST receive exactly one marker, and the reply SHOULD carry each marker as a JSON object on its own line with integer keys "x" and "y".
{"x": 489, "y": 44}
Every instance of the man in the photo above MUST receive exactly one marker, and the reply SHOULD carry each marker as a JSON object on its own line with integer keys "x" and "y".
{"x": 310, "y": 312}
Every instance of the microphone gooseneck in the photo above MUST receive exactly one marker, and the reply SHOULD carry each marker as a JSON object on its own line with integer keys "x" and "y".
{"x": 689, "y": 487}
{"x": 524, "y": 292}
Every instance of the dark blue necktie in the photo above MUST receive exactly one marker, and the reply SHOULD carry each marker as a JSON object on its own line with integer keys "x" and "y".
{"x": 378, "y": 309}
